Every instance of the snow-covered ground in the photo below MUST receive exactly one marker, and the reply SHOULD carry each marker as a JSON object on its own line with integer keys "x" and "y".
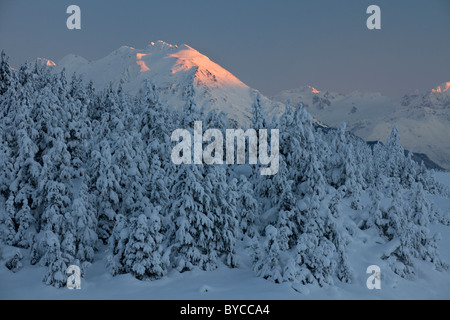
{"x": 242, "y": 283}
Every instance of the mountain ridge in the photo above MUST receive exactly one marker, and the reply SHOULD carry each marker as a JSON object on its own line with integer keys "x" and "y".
{"x": 423, "y": 117}
{"x": 173, "y": 68}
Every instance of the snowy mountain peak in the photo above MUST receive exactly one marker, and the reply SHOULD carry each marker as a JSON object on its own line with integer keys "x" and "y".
{"x": 173, "y": 68}
{"x": 444, "y": 87}
{"x": 207, "y": 72}
{"x": 45, "y": 62}
{"x": 161, "y": 45}
{"x": 313, "y": 90}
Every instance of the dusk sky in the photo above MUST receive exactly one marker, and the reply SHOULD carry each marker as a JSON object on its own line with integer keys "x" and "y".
{"x": 270, "y": 45}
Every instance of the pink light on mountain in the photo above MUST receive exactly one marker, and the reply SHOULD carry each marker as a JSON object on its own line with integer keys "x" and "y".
{"x": 442, "y": 88}
{"x": 208, "y": 72}
{"x": 141, "y": 63}
{"x": 313, "y": 90}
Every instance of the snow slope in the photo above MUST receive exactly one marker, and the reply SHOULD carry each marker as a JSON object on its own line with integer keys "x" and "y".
{"x": 241, "y": 283}
{"x": 423, "y": 118}
{"x": 172, "y": 68}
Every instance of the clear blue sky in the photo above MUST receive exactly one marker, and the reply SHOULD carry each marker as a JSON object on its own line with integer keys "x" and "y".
{"x": 269, "y": 44}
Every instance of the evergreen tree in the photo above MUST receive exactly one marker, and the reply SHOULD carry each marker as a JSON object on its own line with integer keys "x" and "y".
{"x": 107, "y": 188}
{"x": 84, "y": 226}
{"x": 259, "y": 120}
{"x": 194, "y": 235}
{"x": 223, "y": 207}
{"x": 54, "y": 260}
{"x": 395, "y": 154}
{"x": 117, "y": 242}
{"x": 247, "y": 205}
{"x": 144, "y": 255}
{"x": 266, "y": 262}
{"x": 6, "y": 76}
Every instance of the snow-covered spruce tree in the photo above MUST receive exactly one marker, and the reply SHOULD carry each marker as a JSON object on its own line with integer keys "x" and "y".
{"x": 83, "y": 223}
{"x": 203, "y": 231}
{"x": 154, "y": 121}
{"x": 7, "y": 227}
{"x": 286, "y": 126}
{"x": 343, "y": 170}
{"x": 35, "y": 252}
{"x": 6, "y": 165}
{"x": 159, "y": 183}
{"x": 247, "y": 205}
{"x": 104, "y": 171}
{"x": 6, "y": 74}
{"x": 144, "y": 255}
{"x": 282, "y": 232}
{"x": 283, "y": 200}
{"x": 354, "y": 181}
{"x": 54, "y": 189}
{"x": 363, "y": 160}
{"x": 259, "y": 119}
{"x": 395, "y": 154}
{"x": 335, "y": 164}
{"x": 379, "y": 165}
{"x": 106, "y": 187}
{"x": 191, "y": 235}
{"x": 266, "y": 257}
{"x": 408, "y": 175}
{"x": 315, "y": 245}
{"x": 131, "y": 161}
{"x": 55, "y": 261}
{"x": 117, "y": 242}
{"x": 303, "y": 143}
{"x": 7, "y": 101}
{"x": 23, "y": 190}
{"x": 79, "y": 130}
{"x": 224, "y": 214}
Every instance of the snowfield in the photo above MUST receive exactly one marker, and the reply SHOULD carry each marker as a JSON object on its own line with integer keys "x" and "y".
{"x": 242, "y": 284}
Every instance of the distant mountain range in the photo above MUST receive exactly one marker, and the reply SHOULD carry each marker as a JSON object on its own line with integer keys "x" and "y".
{"x": 423, "y": 118}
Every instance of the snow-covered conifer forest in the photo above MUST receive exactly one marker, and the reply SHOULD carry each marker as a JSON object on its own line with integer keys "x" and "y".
{"x": 86, "y": 179}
